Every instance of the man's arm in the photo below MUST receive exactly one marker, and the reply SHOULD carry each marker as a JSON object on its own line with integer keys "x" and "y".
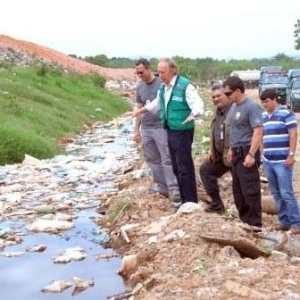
{"x": 256, "y": 139}
{"x": 152, "y": 107}
{"x": 194, "y": 102}
{"x": 255, "y": 144}
{"x": 137, "y": 135}
{"x": 293, "y": 135}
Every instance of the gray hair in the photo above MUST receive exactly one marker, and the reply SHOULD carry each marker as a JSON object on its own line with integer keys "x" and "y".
{"x": 171, "y": 63}
{"x": 216, "y": 86}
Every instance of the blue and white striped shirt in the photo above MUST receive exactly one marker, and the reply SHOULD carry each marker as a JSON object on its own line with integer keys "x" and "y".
{"x": 276, "y": 140}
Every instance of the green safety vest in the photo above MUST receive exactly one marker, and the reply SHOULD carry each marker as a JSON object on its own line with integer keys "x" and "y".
{"x": 177, "y": 109}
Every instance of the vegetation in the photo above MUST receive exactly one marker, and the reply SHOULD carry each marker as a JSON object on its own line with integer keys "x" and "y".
{"x": 202, "y": 265}
{"x": 297, "y": 35}
{"x": 117, "y": 209}
{"x": 41, "y": 105}
{"x": 203, "y": 70}
{"x": 201, "y": 142}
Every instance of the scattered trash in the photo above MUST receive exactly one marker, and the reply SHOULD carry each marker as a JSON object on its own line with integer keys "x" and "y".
{"x": 57, "y": 286}
{"x": 75, "y": 253}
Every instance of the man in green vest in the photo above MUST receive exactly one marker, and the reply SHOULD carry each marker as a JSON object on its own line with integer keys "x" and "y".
{"x": 179, "y": 104}
{"x": 150, "y": 132}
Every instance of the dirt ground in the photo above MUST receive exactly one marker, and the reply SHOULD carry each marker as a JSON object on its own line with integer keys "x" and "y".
{"x": 198, "y": 255}
{"x": 65, "y": 60}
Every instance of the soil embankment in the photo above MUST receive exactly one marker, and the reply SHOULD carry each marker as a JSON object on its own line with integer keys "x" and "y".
{"x": 65, "y": 60}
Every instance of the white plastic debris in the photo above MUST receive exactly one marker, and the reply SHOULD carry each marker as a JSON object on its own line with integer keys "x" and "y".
{"x": 49, "y": 225}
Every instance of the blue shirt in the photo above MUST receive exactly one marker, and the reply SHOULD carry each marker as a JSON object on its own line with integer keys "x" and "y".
{"x": 276, "y": 139}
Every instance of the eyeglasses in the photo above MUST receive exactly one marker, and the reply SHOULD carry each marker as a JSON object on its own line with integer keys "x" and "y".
{"x": 228, "y": 94}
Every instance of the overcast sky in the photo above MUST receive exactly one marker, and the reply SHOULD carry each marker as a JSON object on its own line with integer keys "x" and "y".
{"x": 219, "y": 29}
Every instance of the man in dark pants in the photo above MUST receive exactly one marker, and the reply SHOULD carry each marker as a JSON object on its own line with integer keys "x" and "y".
{"x": 154, "y": 138}
{"x": 246, "y": 129}
{"x": 215, "y": 163}
{"x": 178, "y": 103}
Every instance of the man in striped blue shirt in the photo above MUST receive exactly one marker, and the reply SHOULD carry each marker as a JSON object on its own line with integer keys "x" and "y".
{"x": 279, "y": 146}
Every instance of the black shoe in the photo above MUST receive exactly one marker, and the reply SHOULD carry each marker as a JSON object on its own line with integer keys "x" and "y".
{"x": 212, "y": 209}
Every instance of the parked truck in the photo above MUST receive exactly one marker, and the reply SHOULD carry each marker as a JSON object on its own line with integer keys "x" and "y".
{"x": 273, "y": 77}
{"x": 249, "y": 77}
{"x": 292, "y": 73}
{"x": 293, "y": 94}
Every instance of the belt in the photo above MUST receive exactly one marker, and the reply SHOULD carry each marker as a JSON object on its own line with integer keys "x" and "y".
{"x": 241, "y": 150}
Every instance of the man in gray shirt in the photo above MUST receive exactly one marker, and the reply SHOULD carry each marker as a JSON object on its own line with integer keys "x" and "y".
{"x": 149, "y": 130}
{"x": 178, "y": 104}
{"x": 246, "y": 128}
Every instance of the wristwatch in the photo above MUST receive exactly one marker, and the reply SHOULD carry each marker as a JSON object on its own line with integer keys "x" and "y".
{"x": 251, "y": 154}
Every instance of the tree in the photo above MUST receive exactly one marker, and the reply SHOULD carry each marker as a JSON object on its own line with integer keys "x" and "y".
{"x": 297, "y": 35}
{"x": 100, "y": 60}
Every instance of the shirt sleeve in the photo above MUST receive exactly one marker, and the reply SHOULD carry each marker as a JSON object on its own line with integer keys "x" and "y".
{"x": 138, "y": 95}
{"x": 255, "y": 115}
{"x": 152, "y": 106}
{"x": 194, "y": 100}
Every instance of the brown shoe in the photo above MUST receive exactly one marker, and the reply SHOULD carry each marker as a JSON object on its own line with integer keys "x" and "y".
{"x": 280, "y": 227}
{"x": 295, "y": 230}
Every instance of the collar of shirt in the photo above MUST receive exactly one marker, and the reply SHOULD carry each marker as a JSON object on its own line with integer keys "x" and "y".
{"x": 220, "y": 111}
{"x": 168, "y": 90}
{"x": 224, "y": 110}
{"x": 171, "y": 83}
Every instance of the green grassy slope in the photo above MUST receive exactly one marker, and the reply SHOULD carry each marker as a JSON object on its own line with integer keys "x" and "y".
{"x": 41, "y": 105}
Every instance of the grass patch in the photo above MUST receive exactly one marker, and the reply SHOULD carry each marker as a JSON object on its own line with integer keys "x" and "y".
{"x": 202, "y": 129}
{"x": 116, "y": 210}
{"x": 41, "y": 105}
{"x": 201, "y": 265}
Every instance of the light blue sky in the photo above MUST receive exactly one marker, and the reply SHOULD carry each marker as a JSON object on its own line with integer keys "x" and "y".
{"x": 131, "y": 28}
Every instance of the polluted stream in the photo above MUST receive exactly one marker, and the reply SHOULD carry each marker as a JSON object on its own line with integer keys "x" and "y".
{"x": 50, "y": 248}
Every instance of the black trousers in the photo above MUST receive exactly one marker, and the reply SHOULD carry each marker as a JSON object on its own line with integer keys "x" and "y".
{"x": 180, "y": 146}
{"x": 209, "y": 174}
{"x": 246, "y": 188}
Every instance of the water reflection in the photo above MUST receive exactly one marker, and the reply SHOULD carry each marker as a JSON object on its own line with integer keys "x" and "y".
{"x": 23, "y": 277}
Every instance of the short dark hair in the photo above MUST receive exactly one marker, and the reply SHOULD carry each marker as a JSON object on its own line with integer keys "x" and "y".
{"x": 269, "y": 93}
{"x": 143, "y": 61}
{"x": 234, "y": 83}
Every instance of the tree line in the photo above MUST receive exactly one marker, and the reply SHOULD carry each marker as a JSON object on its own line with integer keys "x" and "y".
{"x": 203, "y": 69}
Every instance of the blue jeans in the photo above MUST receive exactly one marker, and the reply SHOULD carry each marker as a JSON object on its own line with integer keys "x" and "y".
{"x": 280, "y": 180}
